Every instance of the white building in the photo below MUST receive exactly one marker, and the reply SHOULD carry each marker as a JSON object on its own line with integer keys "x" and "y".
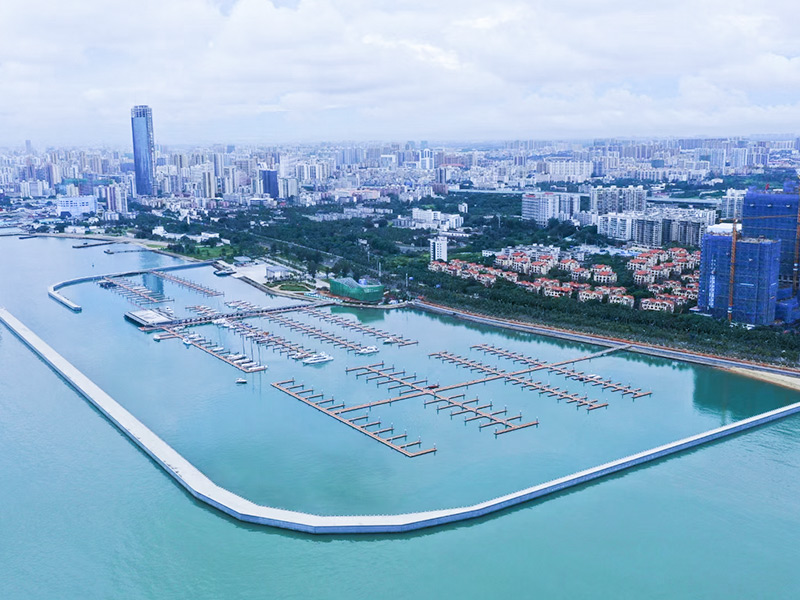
{"x": 732, "y": 203}
{"x": 617, "y": 226}
{"x": 76, "y": 206}
{"x": 543, "y": 206}
{"x": 616, "y": 200}
{"x": 117, "y": 202}
{"x": 438, "y": 248}
{"x": 576, "y": 171}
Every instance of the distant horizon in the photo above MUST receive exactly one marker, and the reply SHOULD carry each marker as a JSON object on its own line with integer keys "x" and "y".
{"x": 432, "y": 142}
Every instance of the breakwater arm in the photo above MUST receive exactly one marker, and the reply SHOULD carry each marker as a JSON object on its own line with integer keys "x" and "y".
{"x": 53, "y": 292}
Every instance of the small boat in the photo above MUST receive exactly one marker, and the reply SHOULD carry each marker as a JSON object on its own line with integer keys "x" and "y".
{"x": 367, "y": 350}
{"x": 390, "y": 340}
{"x": 187, "y": 342}
{"x": 315, "y": 359}
{"x": 241, "y": 380}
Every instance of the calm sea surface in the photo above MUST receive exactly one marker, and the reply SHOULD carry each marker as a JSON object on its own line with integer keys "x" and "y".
{"x": 86, "y": 515}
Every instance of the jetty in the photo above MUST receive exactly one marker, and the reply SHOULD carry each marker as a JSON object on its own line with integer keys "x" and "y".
{"x": 385, "y": 336}
{"x": 372, "y": 427}
{"x": 472, "y": 410}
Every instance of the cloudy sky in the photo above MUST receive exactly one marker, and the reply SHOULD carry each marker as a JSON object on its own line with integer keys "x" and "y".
{"x": 309, "y": 70}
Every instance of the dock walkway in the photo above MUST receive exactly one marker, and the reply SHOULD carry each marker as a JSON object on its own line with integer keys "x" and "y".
{"x": 367, "y": 425}
{"x": 385, "y": 336}
{"x": 474, "y": 411}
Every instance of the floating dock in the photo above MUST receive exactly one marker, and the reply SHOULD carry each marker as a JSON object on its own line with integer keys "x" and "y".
{"x": 133, "y": 292}
{"x": 240, "y": 361}
{"x": 472, "y": 409}
{"x": 385, "y": 336}
{"x": 270, "y": 340}
{"x": 316, "y": 332}
{"x": 367, "y": 425}
{"x": 186, "y": 283}
{"x": 561, "y": 369}
{"x": 518, "y": 378}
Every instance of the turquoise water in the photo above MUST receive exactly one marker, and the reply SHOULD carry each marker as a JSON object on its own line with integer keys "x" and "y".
{"x": 85, "y": 514}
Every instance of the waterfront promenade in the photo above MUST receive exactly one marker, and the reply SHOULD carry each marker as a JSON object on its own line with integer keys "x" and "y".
{"x": 202, "y": 488}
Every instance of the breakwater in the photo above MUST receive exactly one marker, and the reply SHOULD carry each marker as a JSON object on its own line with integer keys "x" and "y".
{"x": 202, "y": 488}
{"x": 53, "y": 292}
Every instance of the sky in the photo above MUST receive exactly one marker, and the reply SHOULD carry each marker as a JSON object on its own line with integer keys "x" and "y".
{"x": 268, "y": 72}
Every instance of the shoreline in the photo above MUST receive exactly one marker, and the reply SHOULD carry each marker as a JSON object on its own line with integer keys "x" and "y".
{"x": 711, "y": 360}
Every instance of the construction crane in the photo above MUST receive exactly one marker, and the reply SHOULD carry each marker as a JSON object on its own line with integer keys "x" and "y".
{"x": 795, "y": 265}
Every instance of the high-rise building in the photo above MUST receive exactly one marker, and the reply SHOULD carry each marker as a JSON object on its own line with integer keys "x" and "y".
{"x": 144, "y": 153}
{"x": 732, "y": 203}
{"x": 616, "y": 200}
{"x": 438, "y": 248}
{"x": 773, "y": 215}
{"x": 543, "y": 206}
{"x": 269, "y": 181}
{"x": 755, "y": 283}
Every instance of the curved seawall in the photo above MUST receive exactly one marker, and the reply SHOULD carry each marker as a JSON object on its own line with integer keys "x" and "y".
{"x": 202, "y": 488}
{"x": 53, "y": 292}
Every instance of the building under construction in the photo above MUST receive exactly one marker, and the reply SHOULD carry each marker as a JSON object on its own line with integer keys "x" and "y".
{"x": 364, "y": 290}
{"x": 774, "y": 215}
{"x": 755, "y": 278}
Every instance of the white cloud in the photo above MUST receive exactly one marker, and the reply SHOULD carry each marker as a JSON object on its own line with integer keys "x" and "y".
{"x": 261, "y": 71}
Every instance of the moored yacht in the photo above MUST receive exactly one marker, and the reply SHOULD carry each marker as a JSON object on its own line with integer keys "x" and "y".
{"x": 315, "y": 359}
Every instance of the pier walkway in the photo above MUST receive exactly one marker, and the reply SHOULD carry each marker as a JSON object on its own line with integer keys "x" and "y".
{"x": 133, "y": 292}
{"x": 518, "y": 378}
{"x": 240, "y": 361}
{"x": 472, "y": 409}
{"x": 198, "y": 485}
{"x": 385, "y": 336}
{"x": 208, "y": 318}
{"x": 561, "y": 369}
{"x": 364, "y": 423}
{"x": 195, "y": 287}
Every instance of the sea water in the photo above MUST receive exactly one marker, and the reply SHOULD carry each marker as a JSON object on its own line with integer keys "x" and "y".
{"x": 86, "y": 514}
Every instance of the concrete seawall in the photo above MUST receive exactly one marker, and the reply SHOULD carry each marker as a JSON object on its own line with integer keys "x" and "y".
{"x": 53, "y": 292}
{"x": 202, "y": 488}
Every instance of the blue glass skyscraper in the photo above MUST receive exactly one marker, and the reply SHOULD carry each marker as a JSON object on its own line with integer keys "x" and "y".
{"x": 269, "y": 179}
{"x": 144, "y": 154}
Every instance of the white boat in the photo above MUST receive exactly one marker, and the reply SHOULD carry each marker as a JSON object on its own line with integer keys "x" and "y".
{"x": 316, "y": 359}
{"x": 241, "y": 380}
{"x": 187, "y": 342}
{"x": 390, "y": 340}
{"x": 368, "y": 350}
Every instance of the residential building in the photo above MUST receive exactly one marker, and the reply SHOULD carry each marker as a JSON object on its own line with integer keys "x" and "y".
{"x": 438, "y": 248}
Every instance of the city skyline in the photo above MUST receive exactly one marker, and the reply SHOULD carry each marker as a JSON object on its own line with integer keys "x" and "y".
{"x": 313, "y": 70}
